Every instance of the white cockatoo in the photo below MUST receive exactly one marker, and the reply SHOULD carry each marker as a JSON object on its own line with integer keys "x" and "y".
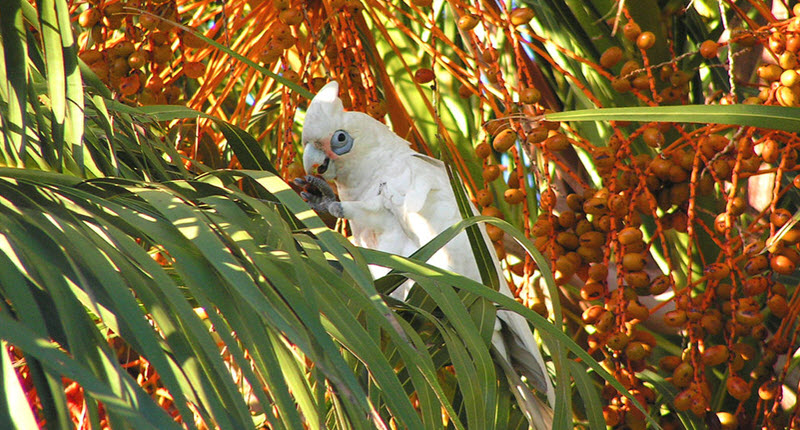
{"x": 397, "y": 200}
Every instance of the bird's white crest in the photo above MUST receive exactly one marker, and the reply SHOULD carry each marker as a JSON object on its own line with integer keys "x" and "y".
{"x": 325, "y": 106}
{"x": 328, "y": 93}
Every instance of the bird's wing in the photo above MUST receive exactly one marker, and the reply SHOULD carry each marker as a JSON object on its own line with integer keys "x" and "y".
{"x": 422, "y": 199}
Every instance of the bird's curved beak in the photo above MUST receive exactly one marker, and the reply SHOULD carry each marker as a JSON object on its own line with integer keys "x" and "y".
{"x": 317, "y": 162}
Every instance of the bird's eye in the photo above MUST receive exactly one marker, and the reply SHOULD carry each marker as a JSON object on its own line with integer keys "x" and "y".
{"x": 341, "y": 142}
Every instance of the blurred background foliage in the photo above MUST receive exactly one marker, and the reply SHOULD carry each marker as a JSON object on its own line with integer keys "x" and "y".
{"x": 158, "y": 272}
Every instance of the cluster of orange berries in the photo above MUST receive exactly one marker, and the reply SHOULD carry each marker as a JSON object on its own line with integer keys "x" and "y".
{"x": 724, "y": 318}
{"x": 281, "y": 37}
{"x": 724, "y": 314}
{"x": 782, "y": 78}
{"x": 129, "y": 50}
{"x": 341, "y": 53}
{"x": 632, "y": 76}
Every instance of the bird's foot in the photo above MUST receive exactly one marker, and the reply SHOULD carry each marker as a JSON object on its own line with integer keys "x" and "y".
{"x": 319, "y": 195}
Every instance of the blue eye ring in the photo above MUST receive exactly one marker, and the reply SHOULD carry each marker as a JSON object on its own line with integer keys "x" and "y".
{"x": 341, "y": 142}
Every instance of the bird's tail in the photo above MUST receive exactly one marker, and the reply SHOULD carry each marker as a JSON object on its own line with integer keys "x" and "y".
{"x": 538, "y": 413}
{"x": 524, "y": 354}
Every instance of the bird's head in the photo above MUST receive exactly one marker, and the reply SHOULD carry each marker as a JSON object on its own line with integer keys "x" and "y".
{"x": 334, "y": 137}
